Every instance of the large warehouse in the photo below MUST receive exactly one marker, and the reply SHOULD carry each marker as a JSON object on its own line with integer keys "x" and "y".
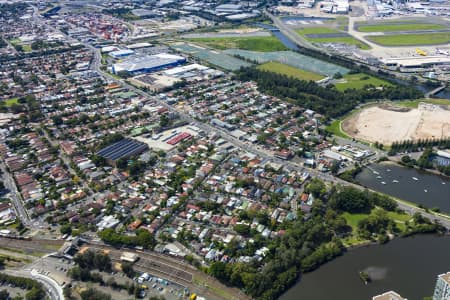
{"x": 122, "y": 149}
{"x": 148, "y": 63}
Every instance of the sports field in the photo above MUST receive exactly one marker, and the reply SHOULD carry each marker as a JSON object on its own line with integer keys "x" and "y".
{"x": 263, "y": 44}
{"x": 280, "y": 68}
{"x": 330, "y": 35}
{"x": 359, "y": 81}
{"x": 392, "y": 27}
{"x": 436, "y": 38}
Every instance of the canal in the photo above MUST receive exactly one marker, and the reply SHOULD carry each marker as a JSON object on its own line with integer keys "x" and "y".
{"x": 406, "y": 265}
{"x": 408, "y": 184}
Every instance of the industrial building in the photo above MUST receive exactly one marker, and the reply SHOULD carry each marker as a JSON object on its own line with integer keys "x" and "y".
{"x": 121, "y": 53}
{"x": 149, "y": 63}
{"x": 122, "y": 149}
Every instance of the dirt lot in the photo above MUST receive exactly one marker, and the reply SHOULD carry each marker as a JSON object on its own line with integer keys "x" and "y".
{"x": 387, "y": 123}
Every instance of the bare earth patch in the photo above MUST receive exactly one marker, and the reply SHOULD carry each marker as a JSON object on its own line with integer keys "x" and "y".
{"x": 387, "y": 124}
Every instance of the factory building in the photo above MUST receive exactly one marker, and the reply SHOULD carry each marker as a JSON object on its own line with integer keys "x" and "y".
{"x": 149, "y": 63}
{"x": 122, "y": 149}
{"x": 121, "y": 53}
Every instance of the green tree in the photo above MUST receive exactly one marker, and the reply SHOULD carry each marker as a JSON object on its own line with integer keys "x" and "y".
{"x": 66, "y": 229}
{"x": 35, "y": 294}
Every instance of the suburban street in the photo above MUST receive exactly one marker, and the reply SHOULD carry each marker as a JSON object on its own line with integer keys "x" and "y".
{"x": 15, "y": 196}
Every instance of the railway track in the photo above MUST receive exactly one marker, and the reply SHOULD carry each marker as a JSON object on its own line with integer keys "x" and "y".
{"x": 154, "y": 262}
{"x": 45, "y": 246}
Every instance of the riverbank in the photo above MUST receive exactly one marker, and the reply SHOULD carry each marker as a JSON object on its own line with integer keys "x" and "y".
{"x": 397, "y": 161}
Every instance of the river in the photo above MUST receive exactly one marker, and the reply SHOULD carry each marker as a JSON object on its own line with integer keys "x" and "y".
{"x": 407, "y": 265}
{"x": 429, "y": 190}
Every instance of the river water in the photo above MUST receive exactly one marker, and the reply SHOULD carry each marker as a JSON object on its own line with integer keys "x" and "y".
{"x": 429, "y": 190}
{"x": 407, "y": 265}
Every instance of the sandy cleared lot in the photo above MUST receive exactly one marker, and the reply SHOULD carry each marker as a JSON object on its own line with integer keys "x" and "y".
{"x": 387, "y": 124}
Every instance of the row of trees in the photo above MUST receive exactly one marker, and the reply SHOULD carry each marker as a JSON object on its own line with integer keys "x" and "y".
{"x": 414, "y": 146}
{"x": 351, "y": 200}
{"x": 35, "y": 289}
{"x": 328, "y": 101}
{"x": 142, "y": 238}
{"x": 94, "y": 260}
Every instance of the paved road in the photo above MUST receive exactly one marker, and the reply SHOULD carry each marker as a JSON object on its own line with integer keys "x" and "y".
{"x": 15, "y": 196}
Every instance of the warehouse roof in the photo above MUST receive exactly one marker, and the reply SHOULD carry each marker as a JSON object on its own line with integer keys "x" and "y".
{"x": 147, "y": 62}
{"x": 123, "y": 148}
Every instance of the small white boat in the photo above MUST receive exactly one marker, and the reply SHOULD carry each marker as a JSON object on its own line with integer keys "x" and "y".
{"x": 415, "y": 178}
{"x": 375, "y": 172}
{"x": 443, "y": 182}
{"x": 383, "y": 182}
{"x": 388, "y": 170}
{"x": 426, "y": 191}
{"x": 395, "y": 181}
{"x": 379, "y": 177}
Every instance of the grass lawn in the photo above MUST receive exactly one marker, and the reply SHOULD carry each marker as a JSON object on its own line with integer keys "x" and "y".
{"x": 359, "y": 80}
{"x": 411, "y": 39}
{"x": 316, "y": 30}
{"x": 353, "y": 219}
{"x": 27, "y": 48}
{"x": 203, "y": 283}
{"x": 280, "y": 68}
{"x": 335, "y": 129}
{"x": 325, "y": 30}
{"x": 415, "y": 103}
{"x": 263, "y": 44}
{"x": 399, "y": 219}
{"x": 400, "y": 27}
{"x": 11, "y": 101}
{"x": 15, "y": 41}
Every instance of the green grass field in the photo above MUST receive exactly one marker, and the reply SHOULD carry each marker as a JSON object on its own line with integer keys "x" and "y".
{"x": 411, "y": 39}
{"x": 280, "y": 68}
{"x": 10, "y": 102}
{"x": 399, "y": 219}
{"x": 335, "y": 129}
{"x": 359, "y": 80}
{"x": 27, "y": 48}
{"x": 15, "y": 41}
{"x": 316, "y": 30}
{"x": 400, "y": 27}
{"x": 325, "y": 30}
{"x": 415, "y": 103}
{"x": 352, "y": 220}
{"x": 263, "y": 44}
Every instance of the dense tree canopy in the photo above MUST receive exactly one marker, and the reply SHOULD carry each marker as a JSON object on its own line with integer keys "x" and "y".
{"x": 327, "y": 101}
